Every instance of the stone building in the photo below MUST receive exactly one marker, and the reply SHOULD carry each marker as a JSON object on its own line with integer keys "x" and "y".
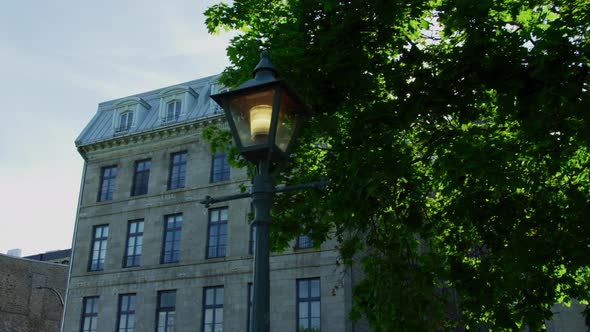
{"x": 55, "y": 256}
{"x": 30, "y": 293}
{"x": 147, "y": 256}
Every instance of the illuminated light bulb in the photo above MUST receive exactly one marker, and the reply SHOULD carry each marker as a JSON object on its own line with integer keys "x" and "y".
{"x": 260, "y": 120}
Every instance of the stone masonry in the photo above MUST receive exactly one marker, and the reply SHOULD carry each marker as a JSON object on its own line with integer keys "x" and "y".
{"x": 24, "y": 307}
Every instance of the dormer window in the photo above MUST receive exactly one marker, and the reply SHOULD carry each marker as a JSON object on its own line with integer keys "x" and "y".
{"x": 128, "y": 114}
{"x": 173, "y": 111}
{"x": 176, "y": 103}
{"x": 125, "y": 121}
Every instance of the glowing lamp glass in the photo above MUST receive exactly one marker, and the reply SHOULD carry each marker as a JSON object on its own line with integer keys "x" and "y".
{"x": 260, "y": 116}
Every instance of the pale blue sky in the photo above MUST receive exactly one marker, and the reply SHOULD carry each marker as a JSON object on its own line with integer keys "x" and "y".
{"x": 58, "y": 60}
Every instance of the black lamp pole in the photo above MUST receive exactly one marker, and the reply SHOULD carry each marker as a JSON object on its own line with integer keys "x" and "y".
{"x": 264, "y": 115}
{"x": 263, "y": 191}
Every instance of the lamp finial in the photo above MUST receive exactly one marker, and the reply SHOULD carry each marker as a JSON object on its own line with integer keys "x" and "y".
{"x": 264, "y": 70}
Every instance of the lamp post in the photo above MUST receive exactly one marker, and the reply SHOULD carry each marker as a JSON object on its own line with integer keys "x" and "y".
{"x": 264, "y": 115}
{"x": 61, "y": 299}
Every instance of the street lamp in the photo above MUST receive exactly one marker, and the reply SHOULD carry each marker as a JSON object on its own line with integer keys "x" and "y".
{"x": 61, "y": 299}
{"x": 264, "y": 115}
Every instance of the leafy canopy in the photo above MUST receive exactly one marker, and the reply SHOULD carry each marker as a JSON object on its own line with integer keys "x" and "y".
{"x": 455, "y": 136}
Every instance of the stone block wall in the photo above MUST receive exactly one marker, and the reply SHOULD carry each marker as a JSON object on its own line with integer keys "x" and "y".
{"x": 24, "y": 307}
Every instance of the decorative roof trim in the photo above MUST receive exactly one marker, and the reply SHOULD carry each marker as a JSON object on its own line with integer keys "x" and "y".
{"x": 157, "y": 133}
{"x": 178, "y": 89}
{"x": 131, "y": 101}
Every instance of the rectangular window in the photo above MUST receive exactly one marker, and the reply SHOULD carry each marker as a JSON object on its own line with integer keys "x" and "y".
{"x": 125, "y": 122}
{"x": 141, "y": 177}
{"x": 213, "y": 309}
{"x": 308, "y": 305}
{"x": 89, "y": 314}
{"x": 134, "y": 244}
{"x": 177, "y": 174}
{"x": 250, "y": 299}
{"x": 173, "y": 111}
{"x": 98, "y": 252}
{"x": 219, "y": 168}
{"x": 166, "y": 311}
{"x": 303, "y": 241}
{"x": 171, "y": 246}
{"x": 217, "y": 239}
{"x": 107, "y": 183}
{"x": 126, "y": 316}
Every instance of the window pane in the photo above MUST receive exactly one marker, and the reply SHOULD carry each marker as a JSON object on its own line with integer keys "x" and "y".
{"x": 122, "y": 322}
{"x": 315, "y": 323}
{"x": 219, "y": 296}
{"x": 223, "y": 214}
{"x": 209, "y": 296}
{"x": 208, "y": 316}
{"x": 303, "y": 310}
{"x": 315, "y": 288}
{"x": 303, "y": 289}
{"x": 162, "y": 320}
{"x": 167, "y": 299}
{"x": 171, "y": 317}
{"x": 303, "y": 324}
{"x": 124, "y": 302}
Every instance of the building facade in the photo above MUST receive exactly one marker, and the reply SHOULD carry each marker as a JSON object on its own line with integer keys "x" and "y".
{"x": 147, "y": 256}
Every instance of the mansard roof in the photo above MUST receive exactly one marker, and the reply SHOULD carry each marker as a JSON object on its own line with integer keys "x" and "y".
{"x": 100, "y": 128}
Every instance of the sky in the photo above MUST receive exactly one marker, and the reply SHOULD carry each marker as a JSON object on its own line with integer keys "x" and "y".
{"x": 58, "y": 60}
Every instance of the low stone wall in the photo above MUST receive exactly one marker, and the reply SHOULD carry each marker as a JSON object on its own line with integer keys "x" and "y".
{"x": 23, "y": 306}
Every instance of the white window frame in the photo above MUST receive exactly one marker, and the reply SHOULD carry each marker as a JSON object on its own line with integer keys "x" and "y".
{"x": 128, "y": 125}
{"x": 134, "y": 105}
{"x": 180, "y": 93}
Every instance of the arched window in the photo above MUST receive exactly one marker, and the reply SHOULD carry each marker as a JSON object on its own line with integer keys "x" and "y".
{"x": 125, "y": 121}
{"x": 173, "y": 111}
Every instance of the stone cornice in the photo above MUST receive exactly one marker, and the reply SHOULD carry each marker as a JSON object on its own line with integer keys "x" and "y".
{"x": 176, "y": 130}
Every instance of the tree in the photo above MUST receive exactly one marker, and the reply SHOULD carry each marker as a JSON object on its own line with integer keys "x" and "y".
{"x": 455, "y": 136}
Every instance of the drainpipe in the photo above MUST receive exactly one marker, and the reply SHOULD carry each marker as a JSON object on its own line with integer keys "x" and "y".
{"x": 63, "y": 314}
